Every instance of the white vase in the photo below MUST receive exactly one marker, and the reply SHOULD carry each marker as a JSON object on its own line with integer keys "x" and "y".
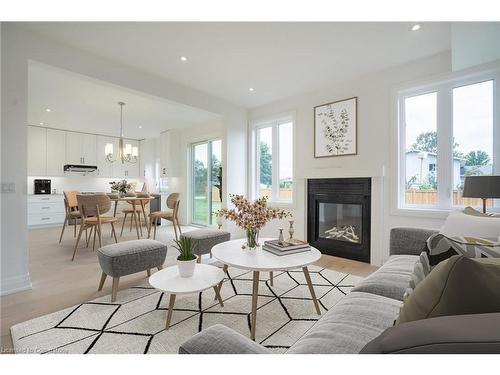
{"x": 186, "y": 267}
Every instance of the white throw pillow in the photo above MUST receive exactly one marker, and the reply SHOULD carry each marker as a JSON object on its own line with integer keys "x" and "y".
{"x": 463, "y": 225}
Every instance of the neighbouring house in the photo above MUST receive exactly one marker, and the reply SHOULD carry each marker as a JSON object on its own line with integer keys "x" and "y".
{"x": 421, "y": 169}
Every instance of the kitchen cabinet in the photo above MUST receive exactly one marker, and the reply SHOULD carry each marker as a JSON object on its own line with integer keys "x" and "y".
{"x": 45, "y": 210}
{"x": 37, "y": 151}
{"x": 81, "y": 148}
{"x": 126, "y": 170}
{"x": 105, "y": 167}
{"x": 56, "y": 152}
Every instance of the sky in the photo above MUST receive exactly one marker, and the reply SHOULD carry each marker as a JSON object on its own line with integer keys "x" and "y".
{"x": 472, "y": 117}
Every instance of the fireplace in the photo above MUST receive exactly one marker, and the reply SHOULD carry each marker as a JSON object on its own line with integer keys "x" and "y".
{"x": 338, "y": 221}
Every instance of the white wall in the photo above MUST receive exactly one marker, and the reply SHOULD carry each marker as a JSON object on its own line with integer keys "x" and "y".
{"x": 375, "y": 139}
{"x": 18, "y": 47}
{"x": 474, "y": 43}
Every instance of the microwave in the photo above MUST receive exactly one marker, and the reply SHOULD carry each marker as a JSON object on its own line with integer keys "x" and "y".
{"x": 42, "y": 186}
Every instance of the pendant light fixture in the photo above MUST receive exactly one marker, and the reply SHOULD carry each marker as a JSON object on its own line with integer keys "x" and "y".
{"x": 126, "y": 153}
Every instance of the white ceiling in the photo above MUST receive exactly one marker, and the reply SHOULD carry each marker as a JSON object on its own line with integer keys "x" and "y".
{"x": 83, "y": 104}
{"x": 277, "y": 59}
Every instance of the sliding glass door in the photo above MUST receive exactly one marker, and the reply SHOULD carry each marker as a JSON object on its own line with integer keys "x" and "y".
{"x": 206, "y": 181}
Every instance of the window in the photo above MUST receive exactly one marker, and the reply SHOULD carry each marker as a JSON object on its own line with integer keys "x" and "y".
{"x": 206, "y": 180}
{"x": 273, "y": 160}
{"x": 447, "y": 131}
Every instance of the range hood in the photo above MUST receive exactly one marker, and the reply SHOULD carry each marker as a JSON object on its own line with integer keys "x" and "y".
{"x": 78, "y": 168}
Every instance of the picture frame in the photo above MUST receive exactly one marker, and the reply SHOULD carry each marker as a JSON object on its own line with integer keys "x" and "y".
{"x": 336, "y": 128}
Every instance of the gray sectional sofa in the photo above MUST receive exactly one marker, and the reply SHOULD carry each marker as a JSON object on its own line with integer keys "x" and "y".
{"x": 366, "y": 312}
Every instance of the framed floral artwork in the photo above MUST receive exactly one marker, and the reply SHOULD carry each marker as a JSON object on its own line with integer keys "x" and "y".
{"x": 335, "y": 128}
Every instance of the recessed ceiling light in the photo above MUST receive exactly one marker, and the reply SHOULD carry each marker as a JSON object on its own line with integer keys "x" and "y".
{"x": 184, "y": 58}
{"x": 251, "y": 89}
{"x": 416, "y": 27}
{"x": 48, "y": 110}
{"x": 41, "y": 123}
{"x": 140, "y": 126}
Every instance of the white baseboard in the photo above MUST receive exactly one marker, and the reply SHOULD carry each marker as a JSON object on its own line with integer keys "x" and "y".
{"x": 15, "y": 284}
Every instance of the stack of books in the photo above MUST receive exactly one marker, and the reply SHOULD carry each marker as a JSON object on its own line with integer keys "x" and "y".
{"x": 287, "y": 247}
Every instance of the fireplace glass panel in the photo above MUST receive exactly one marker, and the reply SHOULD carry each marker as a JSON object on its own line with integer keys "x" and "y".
{"x": 341, "y": 222}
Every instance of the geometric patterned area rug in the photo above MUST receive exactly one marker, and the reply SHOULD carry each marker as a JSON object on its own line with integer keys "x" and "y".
{"x": 135, "y": 323}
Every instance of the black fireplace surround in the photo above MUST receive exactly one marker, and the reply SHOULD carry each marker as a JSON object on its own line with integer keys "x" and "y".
{"x": 338, "y": 216}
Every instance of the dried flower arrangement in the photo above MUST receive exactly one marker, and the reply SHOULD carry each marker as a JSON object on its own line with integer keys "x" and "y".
{"x": 251, "y": 216}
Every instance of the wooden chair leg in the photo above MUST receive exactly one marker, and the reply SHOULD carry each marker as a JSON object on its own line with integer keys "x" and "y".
{"x": 175, "y": 229}
{"x": 123, "y": 224}
{"x": 154, "y": 231}
{"x": 77, "y": 240}
{"x": 101, "y": 283}
{"x": 178, "y": 226}
{"x": 148, "y": 271}
{"x": 140, "y": 222}
{"x": 90, "y": 235}
{"x": 113, "y": 232}
{"x": 114, "y": 290}
{"x": 75, "y": 222}
{"x": 131, "y": 221}
{"x": 64, "y": 226}
{"x": 100, "y": 235}
{"x": 149, "y": 227}
{"x": 95, "y": 232}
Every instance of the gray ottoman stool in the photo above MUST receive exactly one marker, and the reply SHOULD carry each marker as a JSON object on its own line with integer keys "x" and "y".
{"x": 126, "y": 258}
{"x": 205, "y": 239}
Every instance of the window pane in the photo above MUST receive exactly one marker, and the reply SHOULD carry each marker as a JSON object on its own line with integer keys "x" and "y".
{"x": 265, "y": 138}
{"x": 473, "y": 137}
{"x": 421, "y": 149}
{"x": 216, "y": 178}
{"x": 200, "y": 188}
{"x": 285, "y": 132}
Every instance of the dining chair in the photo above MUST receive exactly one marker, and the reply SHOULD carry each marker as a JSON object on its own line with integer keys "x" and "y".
{"x": 71, "y": 210}
{"x": 92, "y": 208}
{"x": 139, "y": 207}
{"x": 173, "y": 201}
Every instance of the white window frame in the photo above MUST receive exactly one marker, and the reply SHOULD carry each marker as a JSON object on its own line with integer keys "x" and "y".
{"x": 444, "y": 89}
{"x": 274, "y": 123}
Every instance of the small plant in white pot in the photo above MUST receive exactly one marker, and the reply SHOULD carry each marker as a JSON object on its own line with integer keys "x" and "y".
{"x": 186, "y": 261}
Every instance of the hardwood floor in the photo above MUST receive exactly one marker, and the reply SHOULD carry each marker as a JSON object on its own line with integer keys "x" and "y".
{"x": 59, "y": 283}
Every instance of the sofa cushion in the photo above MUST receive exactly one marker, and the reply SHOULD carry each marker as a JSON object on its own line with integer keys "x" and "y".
{"x": 458, "y": 285}
{"x": 346, "y": 328}
{"x": 392, "y": 279}
{"x": 458, "y": 334}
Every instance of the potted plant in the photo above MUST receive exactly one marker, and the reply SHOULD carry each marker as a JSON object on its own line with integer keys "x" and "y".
{"x": 251, "y": 216}
{"x": 186, "y": 261}
{"x": 122, "y": 187}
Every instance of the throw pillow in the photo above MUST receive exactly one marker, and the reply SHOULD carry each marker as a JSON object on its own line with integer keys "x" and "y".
{"x": 461, "y": 224}
{"x": 458, "y": 285}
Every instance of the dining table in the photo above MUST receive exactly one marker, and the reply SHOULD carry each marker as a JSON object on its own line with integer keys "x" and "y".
{"x": 134, "y": 201}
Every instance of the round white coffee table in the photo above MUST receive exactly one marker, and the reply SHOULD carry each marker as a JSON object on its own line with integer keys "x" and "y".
{"x": 169, "y": 281}
{"x": 231, "y": 254}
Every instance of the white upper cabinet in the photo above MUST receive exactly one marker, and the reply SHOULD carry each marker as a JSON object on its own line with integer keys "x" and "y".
{"x": 37, "y": 151}
{"x": 105, "y": 167}
{"x": 89, "y": 149}
{"x": 126, "y": 170}
{"x": 56, "y": 152}
{"x": 81, "y": 148}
